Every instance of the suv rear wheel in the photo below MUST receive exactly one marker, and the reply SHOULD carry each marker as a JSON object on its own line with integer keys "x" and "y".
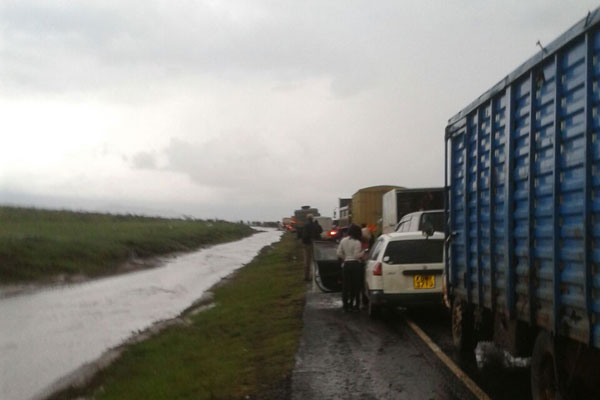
{"x": 373, "y": 310}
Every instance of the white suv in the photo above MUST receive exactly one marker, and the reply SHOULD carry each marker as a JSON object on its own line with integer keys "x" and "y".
{"x": 421, "y": 220}
{"x": 405, "y": 269}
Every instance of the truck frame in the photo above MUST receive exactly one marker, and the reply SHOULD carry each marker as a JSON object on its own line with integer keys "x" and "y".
{"x": 522, "y": 178}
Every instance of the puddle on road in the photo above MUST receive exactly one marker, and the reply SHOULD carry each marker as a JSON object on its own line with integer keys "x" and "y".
{"x": 486, "y": 354}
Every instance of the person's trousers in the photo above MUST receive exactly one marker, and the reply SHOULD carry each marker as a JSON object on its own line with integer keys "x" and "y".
{"x": 351, "y": 283}
{"x": 308, "y": 255}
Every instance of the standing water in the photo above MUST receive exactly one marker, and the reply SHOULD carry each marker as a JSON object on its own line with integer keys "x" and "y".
{"x": 49, "y": 334}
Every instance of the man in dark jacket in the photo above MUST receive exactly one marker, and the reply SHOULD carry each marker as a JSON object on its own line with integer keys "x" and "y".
{"x": 309, "y": 233}
{"x": 317, "y": 231}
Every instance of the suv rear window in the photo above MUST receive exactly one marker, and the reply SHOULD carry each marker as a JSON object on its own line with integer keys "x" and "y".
{"x": 415, "y": 251}
{"x": 436, "y": 219}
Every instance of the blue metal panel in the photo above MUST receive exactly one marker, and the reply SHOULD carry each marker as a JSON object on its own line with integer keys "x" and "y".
{"x": 502, "y": 126}
{"x": 456, "y": 198}
{"x": 556, "y": 203}
{"x": 522, "y": 199}
{"x": 587, "y": 214}
{"x": 466, "y": 209}
{"x": 531, "y": 189}
{"x": 477, "y": 256}
{"x": 492, "y": 200}
{"x": 543, "y": 129}
{"x": 509, "y": 266}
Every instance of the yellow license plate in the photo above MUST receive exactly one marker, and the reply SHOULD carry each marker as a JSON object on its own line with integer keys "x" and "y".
{"x": 424, "y": 281}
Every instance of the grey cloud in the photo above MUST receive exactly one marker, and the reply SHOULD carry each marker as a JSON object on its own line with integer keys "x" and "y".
{"x": 247, "y": 172}
{"x": 144, "y": 160}
{"x": 99, "y": 45}
{"x": 228, "y": 162}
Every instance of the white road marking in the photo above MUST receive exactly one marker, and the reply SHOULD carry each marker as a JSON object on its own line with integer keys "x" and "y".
{"x": 476, "y": 390}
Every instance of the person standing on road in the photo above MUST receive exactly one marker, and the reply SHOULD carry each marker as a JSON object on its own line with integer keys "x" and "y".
{"x": 308, "y": 235}
{"x": 351, "y": 253}
{"x": 318, "y": 230}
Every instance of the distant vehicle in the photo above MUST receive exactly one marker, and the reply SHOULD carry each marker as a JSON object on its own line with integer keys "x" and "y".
{"x": 405, "y": 269}
{"x": 420, "y": 221}
{"x": 327, "y": 225}
{"x": 523, "y": 254}
{"x": 286, "y": 224}
{"x": 366, "y": 206}
{"x": 398, "y": 202}
{"x": 300, "y": 215}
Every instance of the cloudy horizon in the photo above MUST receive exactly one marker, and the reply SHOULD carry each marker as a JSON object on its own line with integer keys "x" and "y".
{"x": 244, "y": 110}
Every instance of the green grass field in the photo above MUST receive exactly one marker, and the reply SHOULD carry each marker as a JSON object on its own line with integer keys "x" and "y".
{"x": 244, "y": 346}
{"x": 38, "y": 245}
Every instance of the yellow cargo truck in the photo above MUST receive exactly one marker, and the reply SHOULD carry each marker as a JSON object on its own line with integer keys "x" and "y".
{"x": 366, "y": 205}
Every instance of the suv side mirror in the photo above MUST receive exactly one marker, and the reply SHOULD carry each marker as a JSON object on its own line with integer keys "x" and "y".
{"x": 427, "y": 227}
{"x": 428, "y": 231}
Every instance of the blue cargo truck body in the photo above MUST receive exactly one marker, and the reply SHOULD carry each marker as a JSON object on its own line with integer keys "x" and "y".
{"x": 523, "y": 211}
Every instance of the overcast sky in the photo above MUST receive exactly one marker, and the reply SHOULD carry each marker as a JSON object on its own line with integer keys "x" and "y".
{"x": 244, "y": 109}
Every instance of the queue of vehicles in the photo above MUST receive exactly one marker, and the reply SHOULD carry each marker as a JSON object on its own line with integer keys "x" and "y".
{"x": 515, "y": 241}
{"x": 402, "y": 268}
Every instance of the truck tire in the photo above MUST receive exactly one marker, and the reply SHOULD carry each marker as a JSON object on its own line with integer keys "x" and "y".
{"x": 462, "y": 327}
{"x": 544, "y": 379}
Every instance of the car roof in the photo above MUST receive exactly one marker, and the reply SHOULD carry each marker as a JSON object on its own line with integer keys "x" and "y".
{"x": 394, "y": 236}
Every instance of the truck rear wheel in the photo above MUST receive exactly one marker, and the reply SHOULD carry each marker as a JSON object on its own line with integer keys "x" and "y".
{"x": 544, "y": 379}
{"x": 462, "y": 327}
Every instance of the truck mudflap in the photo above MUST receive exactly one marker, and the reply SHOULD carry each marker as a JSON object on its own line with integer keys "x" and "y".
{"x": 327, "y": 268}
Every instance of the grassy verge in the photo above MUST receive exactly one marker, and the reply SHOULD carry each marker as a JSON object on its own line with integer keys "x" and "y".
{"x": 41, "y": 244}
{"x": 243, "y": 347}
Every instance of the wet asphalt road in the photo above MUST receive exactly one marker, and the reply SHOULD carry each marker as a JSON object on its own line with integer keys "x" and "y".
{"x": 348, "y": 356}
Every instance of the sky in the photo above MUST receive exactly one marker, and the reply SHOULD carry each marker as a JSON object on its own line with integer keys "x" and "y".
{"x": 244, "y": 109}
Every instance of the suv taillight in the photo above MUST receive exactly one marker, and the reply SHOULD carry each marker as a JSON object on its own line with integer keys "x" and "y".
{"x": 377, "y": 269}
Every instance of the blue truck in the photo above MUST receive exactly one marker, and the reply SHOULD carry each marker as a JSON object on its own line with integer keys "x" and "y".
{"x": 522, "y": 211}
